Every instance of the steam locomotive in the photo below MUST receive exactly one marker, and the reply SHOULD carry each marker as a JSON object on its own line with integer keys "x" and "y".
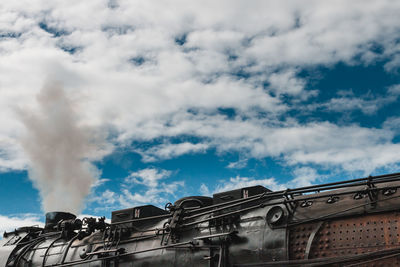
{"x": 349, "y": 223}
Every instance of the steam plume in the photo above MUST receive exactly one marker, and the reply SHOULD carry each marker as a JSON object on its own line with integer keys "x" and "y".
{"x": 58, "y": 149}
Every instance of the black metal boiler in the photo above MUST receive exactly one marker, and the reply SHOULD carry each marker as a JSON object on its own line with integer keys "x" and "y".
{"x": 349, "y": 223}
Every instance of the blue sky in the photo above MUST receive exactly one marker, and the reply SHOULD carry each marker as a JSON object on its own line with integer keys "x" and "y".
{"x": 108, "y": 105}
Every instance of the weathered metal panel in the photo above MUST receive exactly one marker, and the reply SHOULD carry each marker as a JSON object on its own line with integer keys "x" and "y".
{"x": 348, "y": 236}
{"x": 352, "y": 223}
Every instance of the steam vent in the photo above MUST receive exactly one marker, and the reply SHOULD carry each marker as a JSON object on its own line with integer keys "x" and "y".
{"x": 52, "y": 218}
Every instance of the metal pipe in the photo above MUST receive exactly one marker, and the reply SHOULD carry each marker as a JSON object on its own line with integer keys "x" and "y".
{"x": 27, "y": 248}
{"x": 271, "y": 195}
{"x": 68, "y": 246}
{"x": 245, "y": 201}
{"x": 285, "y": 201}
{"x": 301, "y": 190}
{"x": 47, "y": 250}
{"x": 74, "y": 263}
{"x": 312, "y": 188}
{"x": 338, "y": 212}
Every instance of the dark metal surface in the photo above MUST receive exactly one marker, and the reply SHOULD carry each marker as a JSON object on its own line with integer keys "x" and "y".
{"x": 350, "y": 223}
{"x": 348, "y": 236}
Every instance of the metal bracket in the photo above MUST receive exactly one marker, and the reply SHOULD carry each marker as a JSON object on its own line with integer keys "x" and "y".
{"x": 118, "y": 251}
{"x": 216, "y": 235}
{"x": 176, "y": 217}
{"x": 288, "y": 202}
{"x": 372, "y": 192}
{"x": 311, "y": 239}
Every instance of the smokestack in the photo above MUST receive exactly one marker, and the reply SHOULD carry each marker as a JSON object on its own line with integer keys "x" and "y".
{"x": 59, "y": 149}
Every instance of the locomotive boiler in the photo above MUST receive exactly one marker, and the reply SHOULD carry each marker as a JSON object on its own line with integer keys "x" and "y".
{"x": 349, "y": 223}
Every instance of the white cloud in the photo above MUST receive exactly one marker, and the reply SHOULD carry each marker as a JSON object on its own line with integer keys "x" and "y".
{"x": 168, "y": 151}
{"x": 153, "y": 195}
{"x": 350, "y": 104}
{"x": 327, "y": 144}
{"x": 149, "y": 177}
{"x": 347, "y": 102}
{"x": 100, "y": 182}
{"x": 393, "y": 124}
{"x": 240, "y": 164}
{"x": 394, "y": 89}
{"x": 106, "y": 198}
{"x": 11, "y": 155}
{"x": 304, "y": 176}
{"x": 146, "y": 186}
{"x": 286, "y": 83}
{"x": 204, "y": 190}
{"x": 154, "y": 191}
{"x": 10, "y": 223}
{"x": 232, "y": 49}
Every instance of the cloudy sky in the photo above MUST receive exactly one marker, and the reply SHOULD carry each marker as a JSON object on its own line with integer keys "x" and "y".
{"x": 111, "y": 104}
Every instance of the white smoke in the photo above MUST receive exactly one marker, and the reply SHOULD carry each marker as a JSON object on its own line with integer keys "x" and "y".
{"x": 59, "y": 149}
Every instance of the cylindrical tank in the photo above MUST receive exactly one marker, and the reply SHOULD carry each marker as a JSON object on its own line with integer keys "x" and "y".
{"x": 52, "y": 218}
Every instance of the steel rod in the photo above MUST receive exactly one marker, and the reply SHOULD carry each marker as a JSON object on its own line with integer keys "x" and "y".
{"x": 283, "y": 202}
{"x": 311, "y": 188}
{"x": 73, "y": 263}
{"x": 266, "y": 196}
